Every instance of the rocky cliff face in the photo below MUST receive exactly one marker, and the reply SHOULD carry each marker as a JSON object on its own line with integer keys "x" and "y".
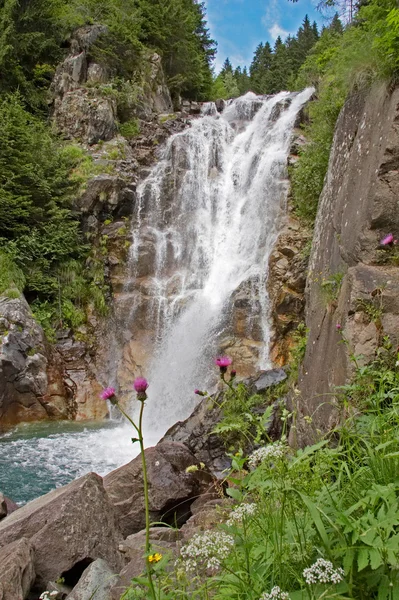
{"x": 352, "y": 284}
{"x": 32, "y": 385}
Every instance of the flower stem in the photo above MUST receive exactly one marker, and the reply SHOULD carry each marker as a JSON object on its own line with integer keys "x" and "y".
{"x": 139, "y": 430}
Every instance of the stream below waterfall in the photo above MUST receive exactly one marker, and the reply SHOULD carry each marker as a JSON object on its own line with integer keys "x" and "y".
{"x": 228, "y": 176}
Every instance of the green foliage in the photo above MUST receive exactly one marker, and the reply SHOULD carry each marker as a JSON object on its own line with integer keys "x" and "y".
{"x": 245, "y": 415}
{"x": 11, "y": 276}
{"x": 130, "y": 129}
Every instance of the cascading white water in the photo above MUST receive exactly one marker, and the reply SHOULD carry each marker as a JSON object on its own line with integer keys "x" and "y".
{"x": 205, "y": 223}
{"x": 211, "y": 211}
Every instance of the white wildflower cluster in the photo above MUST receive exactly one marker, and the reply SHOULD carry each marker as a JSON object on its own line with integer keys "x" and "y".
{"x": 322, "y": 571}
{"x": 270, "y": 452}
{"x": 48, "y": 595}
{"x": 206, "y": 550}
{"x": 275, "y": 594}
{"x": 239, "y": 513}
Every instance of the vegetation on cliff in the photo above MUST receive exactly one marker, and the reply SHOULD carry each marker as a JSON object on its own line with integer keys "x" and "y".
{"x": 341, "y": 62}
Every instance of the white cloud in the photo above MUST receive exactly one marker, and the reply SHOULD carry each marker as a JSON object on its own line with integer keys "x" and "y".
{"x": 275, "y": 30}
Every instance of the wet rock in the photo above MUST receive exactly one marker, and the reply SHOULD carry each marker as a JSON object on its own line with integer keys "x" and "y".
{"x": 220, "y": 105}
{"x": 171, "y": 489}
{"x": 96, "y": 582}
{"x": 17, "y": 571}
{"x": 71, "y": 526}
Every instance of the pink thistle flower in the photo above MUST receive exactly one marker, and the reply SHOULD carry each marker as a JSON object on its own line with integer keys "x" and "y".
{"x": 199, "y": 393}
{"x": 233, "y": 373}
{"x": 338, "y": 326}
{"x": 223, "y": 361}
{"x": 140, "y": 385}
{"x": 107, "y": 393}
{"x": 388, "y": 239}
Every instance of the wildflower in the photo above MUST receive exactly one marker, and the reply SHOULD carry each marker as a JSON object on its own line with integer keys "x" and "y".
{"x": 199, "y": 393}
{"x": 206, "y": 550}
{"x": 154, "y": 558}
{"x": 233, "y": 373}
{"x": 140, "y": 385}
{"x": 387, "y": 240}
{"x": 270, "y": 452}
{"x": 338, "y": 326}
{"x": 191, "y": 469}
{"x": 275, "y": 594}
{"x": 223, "y": 362}
{"x": 322, "y": 571}
{"x": 107, "y": 394}
{"x": 238, "y": 514}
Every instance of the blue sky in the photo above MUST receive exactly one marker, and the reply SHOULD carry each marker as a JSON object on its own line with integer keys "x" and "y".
{"x": 240, "y": 25}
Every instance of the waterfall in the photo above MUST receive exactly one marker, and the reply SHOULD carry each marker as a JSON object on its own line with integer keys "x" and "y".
{"x": 205, "y": 222}
{"x": 204, "y": 225}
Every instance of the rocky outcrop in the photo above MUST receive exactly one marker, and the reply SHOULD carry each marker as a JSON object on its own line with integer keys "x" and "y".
{"x": 68, "y": 528}
{"x": 171, "y": 489}
{"x": 352, "y": 281}
{"x": 286, "y": 287}
{"x": 196, "y": 432}
{"x": 31, "y": 377}
{"x": 85, "y": 103}
{"x": 17, "y": 571}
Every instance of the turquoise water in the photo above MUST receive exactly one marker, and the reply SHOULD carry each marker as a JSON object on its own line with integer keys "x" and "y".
{"x": 37, "y": 458}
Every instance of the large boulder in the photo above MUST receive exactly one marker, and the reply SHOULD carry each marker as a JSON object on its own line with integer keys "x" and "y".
{"x": 31, "y": 386}
{"x": 171, "y": 489}
{"x": 68, "y": 528}
{"x": 17, "y": 571}
{"x": 96, "y": 582}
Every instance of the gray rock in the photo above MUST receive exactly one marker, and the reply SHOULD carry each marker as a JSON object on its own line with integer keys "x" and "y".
{"x": 17, "y": 571}
{"x": 25, "y": 364}
{"x": 357, "y": 207}
{"x": 171, "y": 489}
{"x": 71, "y": 525}
{"x": 269, "y": 378}
{"x": 196, "y": 433}
{"x": 95, "y": 583}
{"x": 88, "y": 118}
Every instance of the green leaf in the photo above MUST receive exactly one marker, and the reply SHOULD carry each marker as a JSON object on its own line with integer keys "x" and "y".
{"x": 362, "y": 558}
{"x": 234, "y": 493}
{"x": 375, "y": 558}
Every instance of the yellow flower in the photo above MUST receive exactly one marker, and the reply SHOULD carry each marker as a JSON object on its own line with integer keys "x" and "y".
{"x": 154, "y": 558}
{"x": 192, "y": 469}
